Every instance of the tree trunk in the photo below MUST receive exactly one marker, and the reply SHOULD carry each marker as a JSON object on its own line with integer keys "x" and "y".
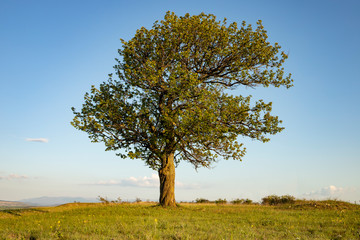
{"x": 167, "y": 182}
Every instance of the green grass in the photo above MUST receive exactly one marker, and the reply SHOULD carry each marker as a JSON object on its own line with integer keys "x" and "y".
{"x": 302, "y": 220}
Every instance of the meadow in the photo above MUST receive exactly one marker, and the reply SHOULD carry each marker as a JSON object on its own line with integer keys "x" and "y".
{"x": 146, "y": 220}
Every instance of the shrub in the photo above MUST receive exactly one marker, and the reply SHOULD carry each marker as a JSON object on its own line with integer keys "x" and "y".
{"x": 138, "y": 200}
{"x": 237, "y": 201}
{"x": 248, "y": 201}
{"x": 221, "y": 201}
{"x": 287, "y": 199}
{"x": 202, "y": 200}
{"x": 103, "y": 200}
{"x": 270, "y": 200}
{"x": 118, "y": 200}
{"x": 242, "y": 201}
{"x": 275, "y": 200}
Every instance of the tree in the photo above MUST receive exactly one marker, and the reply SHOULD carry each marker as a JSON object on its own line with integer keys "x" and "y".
{"x": 172, "y": 101}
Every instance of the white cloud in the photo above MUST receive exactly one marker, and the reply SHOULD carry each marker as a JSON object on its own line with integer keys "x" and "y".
{"x": 181, "y": 185}
{"x": 110, "y": 182}
{"x": 145, "y": 182}
{"x": 43, "y": 140}
{"x": 13, "y": 177}
{"x": 329, "y": 192}
{"x": 152, "y": 181}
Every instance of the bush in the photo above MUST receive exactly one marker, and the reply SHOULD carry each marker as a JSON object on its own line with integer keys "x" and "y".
{"x": 248, "y": 201}
{"x": 221, "y": 201}
{"x": 275, "y": 200}
{"x": 103, "y": 200}
{"x": 202, "y": 200}
{"x": 242, "y": 201}
{"x": 118, "y": 200}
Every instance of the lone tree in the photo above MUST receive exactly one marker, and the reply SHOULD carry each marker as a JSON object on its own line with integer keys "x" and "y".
{"x": 172, "y": 99}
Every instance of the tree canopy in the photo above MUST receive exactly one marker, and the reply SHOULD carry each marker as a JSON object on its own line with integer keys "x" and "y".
{"x": 168, "y": 100}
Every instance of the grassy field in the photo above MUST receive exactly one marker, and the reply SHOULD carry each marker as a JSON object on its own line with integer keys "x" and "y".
{"x": 302, "y": 220}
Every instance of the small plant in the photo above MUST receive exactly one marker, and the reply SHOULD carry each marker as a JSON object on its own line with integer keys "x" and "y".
{"x": 103, "y": 200}
{"x": 202, "y": 200}
{"x": 118, "y": 200}
{"x": 57, "y": 231}
{"x": 276, "y": 200}
{"x": 138, "y": 200}
{"x": 221, "y": 201}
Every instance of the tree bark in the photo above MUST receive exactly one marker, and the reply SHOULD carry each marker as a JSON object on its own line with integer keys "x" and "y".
{"x": 167, "y": 182}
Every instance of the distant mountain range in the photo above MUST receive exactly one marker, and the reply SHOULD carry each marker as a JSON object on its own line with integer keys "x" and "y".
{"x": 55, "y": 201}
{"x": 12, "y": 204}
{"x": 43, "y": 202}
{"x": 48, "y": 201}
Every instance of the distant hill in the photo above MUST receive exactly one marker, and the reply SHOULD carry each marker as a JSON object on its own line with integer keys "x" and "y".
{"x": 12, "y": 204}
{"x": 55, "y": 201}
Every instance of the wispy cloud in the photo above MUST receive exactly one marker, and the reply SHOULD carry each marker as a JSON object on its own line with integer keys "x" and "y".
{"x": 329, "y": 192}
{"x": 13, "y": 177}
{"x": 152, "y": 181}
{"x": 145, "y": 182}
{"x": 181, "y": 185}
{"x": 109, "y": 182}
{"x": 42, "y": 140}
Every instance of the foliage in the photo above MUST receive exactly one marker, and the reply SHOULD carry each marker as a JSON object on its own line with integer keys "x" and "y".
{"x": 189, "y": 221}
{"x": 242, "y": 201}
{"x": 172, "y": 95}
{"x": 171, "y": 100}
{"x": 275, "y": 200}
{"x": 322, "y": 205}
{"x": 202, "y": 200}
{"x": 221, "y": 201}
{"x": 104, "y": 200}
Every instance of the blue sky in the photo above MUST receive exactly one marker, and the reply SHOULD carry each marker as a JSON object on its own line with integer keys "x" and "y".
{"x": 51, "y": 52}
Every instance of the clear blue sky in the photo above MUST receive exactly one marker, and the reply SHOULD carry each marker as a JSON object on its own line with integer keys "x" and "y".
{"x": 51, "y": 52}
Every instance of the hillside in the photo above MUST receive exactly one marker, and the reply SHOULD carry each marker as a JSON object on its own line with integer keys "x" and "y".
{"x": 187, "y": 221}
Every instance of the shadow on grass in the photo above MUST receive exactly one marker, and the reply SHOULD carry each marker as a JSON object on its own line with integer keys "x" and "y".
{"x": 157, "y": 205}
{"x": 19, "y": 211}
